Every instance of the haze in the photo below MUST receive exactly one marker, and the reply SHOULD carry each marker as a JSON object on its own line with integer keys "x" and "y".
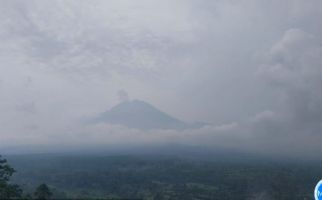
{"x": 251, "y": 70}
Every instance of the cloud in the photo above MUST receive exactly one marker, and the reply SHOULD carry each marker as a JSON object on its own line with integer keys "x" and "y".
{"x": 295, "y": 69}
{"x": 81, "y": 37}
{"x": 123, "y": 95}
{"x": 251, "y": 68}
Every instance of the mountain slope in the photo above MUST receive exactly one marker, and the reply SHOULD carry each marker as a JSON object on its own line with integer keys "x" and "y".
{"x": 141, "y": 115}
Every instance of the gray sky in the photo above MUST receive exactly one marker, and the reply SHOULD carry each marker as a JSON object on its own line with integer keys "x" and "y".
{"x": 251, "y": 68}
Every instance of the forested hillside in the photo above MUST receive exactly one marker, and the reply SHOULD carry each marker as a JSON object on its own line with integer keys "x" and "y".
{"x": 166, "y": 177}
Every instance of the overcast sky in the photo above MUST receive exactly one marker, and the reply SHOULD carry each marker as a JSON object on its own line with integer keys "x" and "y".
{"x": 253, "y": 69}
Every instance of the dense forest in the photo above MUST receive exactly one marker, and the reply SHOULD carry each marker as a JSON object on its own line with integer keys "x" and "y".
{"x": 9, "y": 190}
{"x": 164, "y": 177}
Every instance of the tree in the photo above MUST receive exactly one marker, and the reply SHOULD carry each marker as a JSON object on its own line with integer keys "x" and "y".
{"x": 43, "y": 192}
{"x": 7, "y": 191}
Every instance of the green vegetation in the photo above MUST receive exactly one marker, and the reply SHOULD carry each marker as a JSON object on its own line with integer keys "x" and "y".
{"x": 7, "y": 190}
{"x": 43, "y": 192}
{"x": 166, "y": 177}
{"x": 13, "y": 191}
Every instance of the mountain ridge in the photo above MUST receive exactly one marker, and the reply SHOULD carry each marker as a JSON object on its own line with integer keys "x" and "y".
{"x": 141, "y": 115}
